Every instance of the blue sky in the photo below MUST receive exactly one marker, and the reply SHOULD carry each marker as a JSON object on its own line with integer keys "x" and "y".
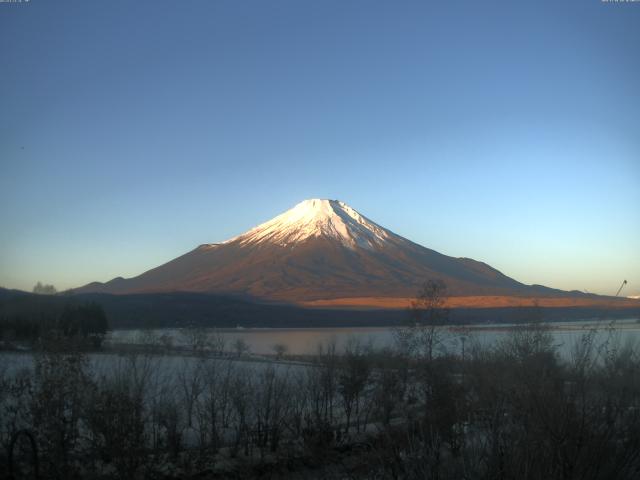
{"x": 509, "y": 132}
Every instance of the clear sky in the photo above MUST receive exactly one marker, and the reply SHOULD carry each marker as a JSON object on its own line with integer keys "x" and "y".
{"x": 132, "y": 131}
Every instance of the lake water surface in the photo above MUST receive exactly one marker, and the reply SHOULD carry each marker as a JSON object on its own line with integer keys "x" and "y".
{"x": 301, "y": 341}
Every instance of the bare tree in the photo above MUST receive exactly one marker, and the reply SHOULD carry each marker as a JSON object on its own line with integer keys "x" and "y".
{"x": 322, "y": 383}
{"x": 241, "y": 393}
{"x": 241, "y": 347}
{"x": 353, "y": 377}
{"x": 195, "y": 339}
{"x": 43, "y": 289}
{"x": 427, "y": 313}
{"x": 389, "y": 391}
{"x": 217, "y": 341}
{"x": 280, "y": 349}
{"x": 61, "y": 380}
{"x": 16, "y": 392}
{"x": 116, "y": 421}
{"x": 168, "y": 415}
{"x": 529, "y": 340}
{"x": 271, "y": 408}
{"x": 214, "y": 407}
{"x": 190, "y": 381}
{"x": 299, "y": 403}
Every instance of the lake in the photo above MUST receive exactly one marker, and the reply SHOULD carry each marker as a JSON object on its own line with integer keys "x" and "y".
{"x": 303, "y": 341}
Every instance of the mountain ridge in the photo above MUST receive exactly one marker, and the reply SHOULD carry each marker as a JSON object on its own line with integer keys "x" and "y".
{"x": 320, "y": 250}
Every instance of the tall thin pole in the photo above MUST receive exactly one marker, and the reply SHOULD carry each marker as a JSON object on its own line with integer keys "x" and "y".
{"x": 621, "y": 286}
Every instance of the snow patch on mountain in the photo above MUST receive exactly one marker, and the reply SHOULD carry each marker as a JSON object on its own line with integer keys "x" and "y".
{"x": 318, "y": 218}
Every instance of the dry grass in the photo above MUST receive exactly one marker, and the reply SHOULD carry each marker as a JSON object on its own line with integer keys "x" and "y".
{"x": 478, "y": 302}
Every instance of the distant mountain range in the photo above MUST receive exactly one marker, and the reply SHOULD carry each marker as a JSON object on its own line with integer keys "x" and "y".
{"x": 323, "y": 252}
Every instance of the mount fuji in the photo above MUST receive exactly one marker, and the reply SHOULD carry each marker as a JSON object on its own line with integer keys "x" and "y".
{"x": 319, "y": 252}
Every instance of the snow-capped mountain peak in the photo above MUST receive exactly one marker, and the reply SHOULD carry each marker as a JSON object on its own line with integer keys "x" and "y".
{"x": 318, "y": 218}
{"x": 319, "y": 249}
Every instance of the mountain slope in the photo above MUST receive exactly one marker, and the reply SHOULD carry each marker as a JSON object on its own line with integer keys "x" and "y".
{"x": 320, "y": 249}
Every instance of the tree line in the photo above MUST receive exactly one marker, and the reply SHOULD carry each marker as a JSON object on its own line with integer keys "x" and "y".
{"x": 86, "y": 322}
